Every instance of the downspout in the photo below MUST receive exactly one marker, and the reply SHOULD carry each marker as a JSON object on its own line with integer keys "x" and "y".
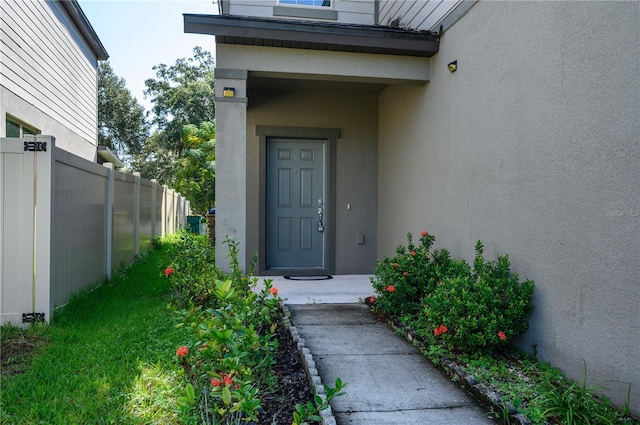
{"x": 376, "y": 12}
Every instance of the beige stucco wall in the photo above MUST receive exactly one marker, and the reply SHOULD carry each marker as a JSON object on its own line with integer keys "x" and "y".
{"x": 355, "y": 114}
{"x": 533, "y": 147}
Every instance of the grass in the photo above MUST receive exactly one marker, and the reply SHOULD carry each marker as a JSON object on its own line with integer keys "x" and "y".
{"x": 107, "y": 357}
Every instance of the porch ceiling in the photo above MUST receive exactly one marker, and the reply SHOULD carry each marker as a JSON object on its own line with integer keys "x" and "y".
{"x": 230, "y": 29}
{"x": 260, "y": 82}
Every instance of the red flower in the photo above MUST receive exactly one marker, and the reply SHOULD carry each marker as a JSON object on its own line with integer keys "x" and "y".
{"x": 274, "y": 291}
{"x": 502, "y": 336}
{"x": 405, "y": 273}
{"x": 424, "y": 233}
{"x": 225, "y": 379}
{"x": 372, "y": 300}
{"x": 412, "y": 253}
{"x": 182, "y": 351}
{"x": 391, "y": 288}
{"x": 395, "y": 264}
{"x": 168, "y": 271}
{"x": 440, "y": 330}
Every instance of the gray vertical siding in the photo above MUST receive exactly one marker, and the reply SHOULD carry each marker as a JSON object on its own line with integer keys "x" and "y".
{"x": 414, "y": 14}
{"x": 47, "y": 64}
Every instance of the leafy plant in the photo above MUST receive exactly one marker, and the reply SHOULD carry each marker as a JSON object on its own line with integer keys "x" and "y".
{"x": 479, "y": 311}
{"x": 574, "y": 404}
{"x": 231, "y": 351}
{"x": 311, "y": 411}
{"x": 402, "y": 281}
{"x": 449, "y": 303}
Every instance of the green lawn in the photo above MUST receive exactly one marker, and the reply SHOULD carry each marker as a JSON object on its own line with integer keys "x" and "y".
{"x": 110, "y": 356}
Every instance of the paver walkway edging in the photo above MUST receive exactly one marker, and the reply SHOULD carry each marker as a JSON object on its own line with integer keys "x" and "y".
{"x": 309, "y": 365}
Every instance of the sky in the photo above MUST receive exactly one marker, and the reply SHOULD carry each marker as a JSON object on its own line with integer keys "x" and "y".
{"x": 139, "y": 34}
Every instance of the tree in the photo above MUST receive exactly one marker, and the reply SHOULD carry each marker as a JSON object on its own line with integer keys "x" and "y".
{"x": 122, "y": 125}
{"x": 195, "y": 169}
{"x": 182, "y": 94}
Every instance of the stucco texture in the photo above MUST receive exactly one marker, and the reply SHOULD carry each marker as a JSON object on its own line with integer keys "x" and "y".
{"x": 355, "y": 114}
{"x": 533, "y": 147}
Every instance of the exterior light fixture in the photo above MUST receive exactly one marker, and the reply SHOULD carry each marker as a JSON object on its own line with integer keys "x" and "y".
{"x": 453, "y": 66}
{"x": 229, "y": 92}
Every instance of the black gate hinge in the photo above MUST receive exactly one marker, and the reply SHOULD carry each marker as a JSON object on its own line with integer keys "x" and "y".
{"x": 32, "y": 317}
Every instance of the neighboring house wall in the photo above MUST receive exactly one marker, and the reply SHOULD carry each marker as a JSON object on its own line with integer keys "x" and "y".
{"x": 343, "y": 11}
{"x": 355, "y": 114}
{"x": 414, "y": 14}
{"x": 532, "y": 146}
{"x": 48, "y": 74}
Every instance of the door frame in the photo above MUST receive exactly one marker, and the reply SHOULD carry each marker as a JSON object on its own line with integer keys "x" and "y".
{"x": 330, "y": 136}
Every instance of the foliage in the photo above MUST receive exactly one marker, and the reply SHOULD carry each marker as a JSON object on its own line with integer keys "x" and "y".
{"x": 194, "y": 271}
{"x": 182, "y": 94}
{"x": 181, "y": 151}
{"x": 231, "y": 351}
{"x": 195, "y": 169}
{"x": 122, "y": 126}
{"x": 574, "y": 404}
{"x": 470, "y": 314}
{"x": 480, "y": 311}
{"x": 311, "y": 411}
{"x": 403, "y": 281}
{"x": 466, "y": 310}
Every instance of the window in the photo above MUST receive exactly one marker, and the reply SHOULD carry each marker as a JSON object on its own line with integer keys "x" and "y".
{"x": 314, "y": 3}
{"x": 16, "y": 128}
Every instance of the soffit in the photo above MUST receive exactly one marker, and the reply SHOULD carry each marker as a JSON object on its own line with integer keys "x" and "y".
{"x": 313, "y": 35}
{"x": 259, "y": 82}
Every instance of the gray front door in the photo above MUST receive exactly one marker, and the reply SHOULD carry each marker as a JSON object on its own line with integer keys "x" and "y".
{"x": 295, "y": 237}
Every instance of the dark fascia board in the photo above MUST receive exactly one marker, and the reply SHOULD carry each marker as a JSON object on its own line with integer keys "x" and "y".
{"x": 84, "y": 26}
{"x": 396, "y": 41}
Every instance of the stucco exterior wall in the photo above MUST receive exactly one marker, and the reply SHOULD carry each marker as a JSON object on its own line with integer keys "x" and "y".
{"x": 533, "y": 147}
{"x": 355, "y": 114}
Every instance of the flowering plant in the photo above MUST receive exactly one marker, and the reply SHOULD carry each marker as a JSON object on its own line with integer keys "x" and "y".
{"x": 447, "y": 302}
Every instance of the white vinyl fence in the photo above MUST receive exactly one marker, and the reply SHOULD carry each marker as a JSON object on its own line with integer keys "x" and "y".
{"x": 67, "y": 223}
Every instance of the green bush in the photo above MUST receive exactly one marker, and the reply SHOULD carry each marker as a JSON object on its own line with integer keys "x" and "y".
{"x": 402, "y": 281}
{"x": 447, "y": 302}
{"x": 229, "y": 356}
{"x": 192, "y": 270}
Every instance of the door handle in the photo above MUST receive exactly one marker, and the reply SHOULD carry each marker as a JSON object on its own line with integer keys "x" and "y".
{"x": 320, "y": 227}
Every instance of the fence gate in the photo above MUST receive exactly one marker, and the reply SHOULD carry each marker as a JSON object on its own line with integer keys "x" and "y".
{"x": 25, "y": 222}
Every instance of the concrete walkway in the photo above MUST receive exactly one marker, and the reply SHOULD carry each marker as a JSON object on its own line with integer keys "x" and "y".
{"x": 389, "y": 380}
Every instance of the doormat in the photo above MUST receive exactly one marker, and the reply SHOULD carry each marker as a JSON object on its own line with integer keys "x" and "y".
{"x": 308, "y": 277}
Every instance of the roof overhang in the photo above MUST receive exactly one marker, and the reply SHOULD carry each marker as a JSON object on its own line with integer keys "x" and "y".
{"x": 230, "y": 29}
{"x": 84, "y": 26}
{"x": 108, "y": 155}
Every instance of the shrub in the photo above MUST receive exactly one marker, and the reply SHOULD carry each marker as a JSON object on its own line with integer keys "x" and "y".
{"x": 479, "y": 311}
{"x": 403, "y": 280}
{"x": 192, "y": 270}
{"x": 449, "y": 303}
{"x": 229, "y": 356}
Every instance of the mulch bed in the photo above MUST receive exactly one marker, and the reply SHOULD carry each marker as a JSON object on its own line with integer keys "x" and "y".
{"x": 292, "y": 386}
